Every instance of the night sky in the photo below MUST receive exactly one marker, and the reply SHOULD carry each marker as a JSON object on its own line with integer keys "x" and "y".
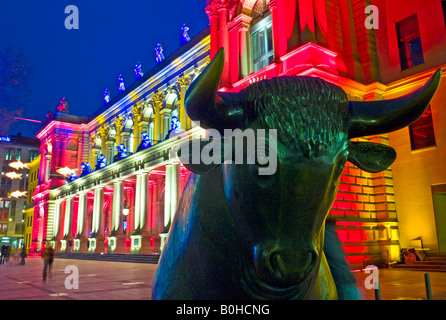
{"x": 79, "y": 64}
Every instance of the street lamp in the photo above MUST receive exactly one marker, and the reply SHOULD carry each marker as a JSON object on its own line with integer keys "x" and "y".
{"x": 126, "y": 209}
{"x": 125, "y": 212}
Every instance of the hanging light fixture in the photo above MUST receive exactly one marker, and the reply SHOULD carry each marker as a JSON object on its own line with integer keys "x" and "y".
{"x": 65, "y": 171}
{"x": 18, "y": 194}
{"x": 13, "y": 175}
{"x": 19, "y": 165}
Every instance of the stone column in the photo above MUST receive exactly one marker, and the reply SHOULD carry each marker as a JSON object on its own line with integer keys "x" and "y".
{"x": 125, "y": 140}
{"x": 275, "y": 23}
{"x": 245, "y": 46}
{"x": 165, "y": 123}
{"x": 48, "y": 167}
{"x": 175, "y": 188}
{"x": 183, "y": 83}
{"x": 82, "y": 231}
{"x": 68, "y": 218}
{"x": 119, "y": 123}
{"x": 118, "y": 190}
{"x": 224, "y": 41}
{"x": 104, "y": 132}
{"x": 136, "y": 110}
{"x": 167, "y": 197}
{"x": 157, "y": 103}
{"x": 57, "y": 214}
{"x": 98, "y": 218}
{"x": 213, "y": 16}
{"x": 117, "y": 232}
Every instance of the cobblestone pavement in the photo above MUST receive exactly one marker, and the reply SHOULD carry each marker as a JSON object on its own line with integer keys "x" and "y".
{"x": 99, "y": 280}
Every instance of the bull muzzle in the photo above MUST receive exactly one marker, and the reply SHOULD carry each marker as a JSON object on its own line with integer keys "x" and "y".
{"x": 284, "y": 268}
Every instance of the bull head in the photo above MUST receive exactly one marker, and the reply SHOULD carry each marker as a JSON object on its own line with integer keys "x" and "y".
{"x": 224, "y": 110}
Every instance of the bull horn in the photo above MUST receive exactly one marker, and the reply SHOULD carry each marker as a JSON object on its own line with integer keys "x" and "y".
{"x": 376, "y": 117}
{"x": 212, "y": 109}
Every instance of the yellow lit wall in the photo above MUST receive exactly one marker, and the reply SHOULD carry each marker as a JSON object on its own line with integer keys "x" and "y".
{"x": 414, "y": 172}
{"x": 33, "y": 181}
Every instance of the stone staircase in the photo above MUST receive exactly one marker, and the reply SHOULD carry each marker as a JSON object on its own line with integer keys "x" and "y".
{"x": 134, "y": 258}
{"x": 432, "y": 262}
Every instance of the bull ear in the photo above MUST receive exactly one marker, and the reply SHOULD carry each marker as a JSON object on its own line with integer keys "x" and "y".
{"x": 190, "y": 155}
{"x": 371, "y": 157}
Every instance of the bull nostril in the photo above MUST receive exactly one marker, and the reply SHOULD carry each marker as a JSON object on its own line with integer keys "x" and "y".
{"x": 276, "y": 265}
{"x": 290, "y": 267}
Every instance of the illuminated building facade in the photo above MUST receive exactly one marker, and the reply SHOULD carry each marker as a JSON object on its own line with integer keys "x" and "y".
{"x": 16, "y": 152}
{"x": 128, "y": 205}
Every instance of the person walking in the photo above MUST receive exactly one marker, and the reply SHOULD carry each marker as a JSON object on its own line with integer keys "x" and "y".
{"x": 48, "y": 258}
{"x": 23, "y": 255}
{"x": 3, "y": 254}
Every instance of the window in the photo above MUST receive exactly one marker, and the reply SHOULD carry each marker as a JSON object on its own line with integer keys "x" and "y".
{"x": 18, "y": 155}
{"x": 422, "y": 131}
{"x": 32, "y": 154}
{"x": 262, "y": 43}
{"x": 9, "y": 154}
{"x": 409, "y": 43}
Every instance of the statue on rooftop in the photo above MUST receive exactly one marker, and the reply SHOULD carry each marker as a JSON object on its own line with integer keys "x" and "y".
{"x": 121, "y": 84}
{"x": 122, "y": 153}
{"x": 72, "y": 177}
{"x": 185, "y": 38}
{"x": 86, "y": 169}
{"x": 146, "y": 142}
{"x": 159, "y": 53}
{"x": 106, "y": 96}
{"x": 102, "y": 162}
{"x": 63, "y": 106}
{"x": 175, "y": 128}
{"x": 138, "y": 71}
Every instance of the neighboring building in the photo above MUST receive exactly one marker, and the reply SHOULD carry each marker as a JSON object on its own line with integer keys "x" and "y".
{"x": 262, "y": 39}
{"x": 411, "y": 43}
{"x": 14, "y": 149}
{"x": 33, "y": 182}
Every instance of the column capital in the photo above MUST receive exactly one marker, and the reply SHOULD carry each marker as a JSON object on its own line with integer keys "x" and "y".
{"x": 242, "y": 22}
{"x": 183, "y": 81}
{"x": 158, "y": 98}
{"x": 119, "y": 123}
{"x": 212, "y": 8}
{"x": 118, "y": 180}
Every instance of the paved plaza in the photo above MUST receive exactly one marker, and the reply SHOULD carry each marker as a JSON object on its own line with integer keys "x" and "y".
{"x": 101, "y": 280}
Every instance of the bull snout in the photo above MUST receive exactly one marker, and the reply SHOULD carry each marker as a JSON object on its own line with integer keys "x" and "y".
{"x": 285, "y": 268}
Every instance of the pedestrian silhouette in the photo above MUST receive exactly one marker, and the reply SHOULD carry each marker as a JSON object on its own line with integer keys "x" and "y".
{"x": 48, "y": 258}
{"x": 4, "y": 253}
{"x": 23, "y": 255}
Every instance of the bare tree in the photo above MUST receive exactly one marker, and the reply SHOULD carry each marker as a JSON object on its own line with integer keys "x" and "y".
{"x": 14, "y": 76}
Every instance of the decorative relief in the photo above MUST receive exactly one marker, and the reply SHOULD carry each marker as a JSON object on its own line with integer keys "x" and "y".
{"x": 71, "y": 144}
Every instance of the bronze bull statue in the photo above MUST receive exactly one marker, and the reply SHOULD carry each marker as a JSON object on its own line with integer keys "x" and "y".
{"x": 239, "y": 235}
